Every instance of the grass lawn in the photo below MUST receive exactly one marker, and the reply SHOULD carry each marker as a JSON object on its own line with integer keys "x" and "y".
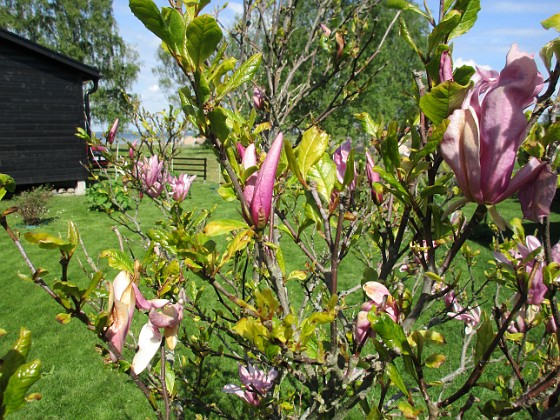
{"x": 76, "y": 382}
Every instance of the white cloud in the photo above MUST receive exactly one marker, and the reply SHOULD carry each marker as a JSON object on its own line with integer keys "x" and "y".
{"x": 461, "y": 62}
{"x": 153, "y": 88}
{"x": 235, "y": 8}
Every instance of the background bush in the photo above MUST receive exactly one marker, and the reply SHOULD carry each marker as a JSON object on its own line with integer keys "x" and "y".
{"x": 33, "y": 205}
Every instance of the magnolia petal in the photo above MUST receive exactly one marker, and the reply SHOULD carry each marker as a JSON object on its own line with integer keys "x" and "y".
{"x": 233, "y": 389}
{"x": 536, "y": 197}
{"x": 264, "y": 185}
{"x": 445, "y": 67}
{"x": 149, "y": 341}
{"x": 376, "y": 292}
{"x": 113, "y": 132}
{"x": 459, "y": 149}
{"x": 249, "y": 158}
{"x": 523, "y": 177}
{"x": 117, "y": 332}
{"x": 503, "y": 123}
{"x": 144, "y": 304}
{"x": 121, "y": 282}
{"x": 170, "y": 335}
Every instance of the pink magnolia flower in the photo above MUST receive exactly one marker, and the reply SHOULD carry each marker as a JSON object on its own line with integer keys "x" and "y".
{"x": 445, "y": 67}
{"x": 325, "y": 29}
{"x": 150, "y": 173}
{"x": 372, "y": 178}
{"x": 256, "y": 384}
{"x": 382, "y": 301}
{"x": 258, "y": 98}
{"x": 340, "y": 158}
{"x": 180, "y": 186}
{"x": 536, "y": 197}
{"x": 132, "y": 149}
{"x": 482, "y": 139}
{"x": 471, "y": 317}
{"x": 113, "y": 132}
{"x": 150, "y": 337}
{"x": 536, "y": 290}
{"x": 260, "y": 185}
{"x": 124, "y": 296}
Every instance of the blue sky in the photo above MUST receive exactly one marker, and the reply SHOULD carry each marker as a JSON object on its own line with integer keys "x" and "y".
{"x": 500, "y": 24}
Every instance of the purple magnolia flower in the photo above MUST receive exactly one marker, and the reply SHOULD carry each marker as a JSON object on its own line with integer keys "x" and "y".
{"x": 481, "y": 142}
{"x": 260, "y": 185}
{"x": 536, "y": 289}
{"x": 471, "y": 317}
{"x": 113, "y": 132}
{"x": 124, "y": 297}
{"x": 445, "y": 67}
{"x": 180, "y": 186}
{"x": 258, "y": 98}
{"x": 256, "y": 384}
{"x": 150, "y": 336}
{"x": 536, "y": 197}
{"x": 150, "y": 173}
{"x": 372, "y": 178}
{"x": 340, "y": 158}
{"x": 380, "y": 299}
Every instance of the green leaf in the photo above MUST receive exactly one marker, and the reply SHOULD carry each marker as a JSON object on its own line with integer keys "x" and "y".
{"x": 390, "y": 332}
{"x": 443, "y": 100}
{"x": 221, "y": 227}
{"x": 552, "y": 22}
{"x": 218, "y": 120}
{"x": 323, "y": 174}
{"x": 396, "y": 377}
{"x": 203, "y": 36}
{"x": 175, "y": 28}
{"x": 370, "y": 127}
{"x": 7, "y": 184}
{"x": 118, "y": 260}
{"x": 313, "y": 145}
{"x": 435, "y": 360}
{"x": 149, "y": 14}
{"x": 441, "y": 32}
{"x": 405, "y": 34}
{"x": 349, "y": 173}
{"x": 390, "y": 149}
{"x": 405, "y": 5}
{"x": 243, "y": 74}
{"x": 469, "y": 13}
{"x": 48, "y": 241}
{"x": 238, "y": 243}
{"x": 97, "y": 277}
{"x": 66, "y": 288}
{"x": 292, "y": 162}
{"x": 19, "y": 383}
{"x": 63, "y": 318}
{"x": 253, "y": 330}
{"x": 408, "y": 410}
{"x": 463, "y": 75}
{"x": 484, "y": 337}
{"x": 550, "y": 49}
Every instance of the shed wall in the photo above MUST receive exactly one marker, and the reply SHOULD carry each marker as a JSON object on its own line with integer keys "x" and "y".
{"x": 41, "y": 105}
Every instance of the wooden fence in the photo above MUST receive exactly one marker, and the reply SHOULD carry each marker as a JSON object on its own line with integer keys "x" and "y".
{"x": 191, "y": 166}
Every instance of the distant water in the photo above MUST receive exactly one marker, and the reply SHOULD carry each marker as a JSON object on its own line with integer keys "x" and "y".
{"x": 120, "y": 138}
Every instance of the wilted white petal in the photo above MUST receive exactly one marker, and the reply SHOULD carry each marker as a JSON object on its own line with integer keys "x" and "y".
{"x": 149, "y": 341}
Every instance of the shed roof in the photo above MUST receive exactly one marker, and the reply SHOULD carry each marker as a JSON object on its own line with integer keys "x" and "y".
{"x": 87, "y": 72}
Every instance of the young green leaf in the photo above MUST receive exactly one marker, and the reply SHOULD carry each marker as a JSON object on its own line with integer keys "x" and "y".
{"x": 203, "y": 36}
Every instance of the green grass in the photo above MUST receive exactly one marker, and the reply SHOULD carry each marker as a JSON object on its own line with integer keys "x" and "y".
{"x": 77, "y": 383}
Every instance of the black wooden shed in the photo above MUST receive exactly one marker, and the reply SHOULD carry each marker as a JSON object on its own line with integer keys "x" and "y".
{"x": 42, "y": 102}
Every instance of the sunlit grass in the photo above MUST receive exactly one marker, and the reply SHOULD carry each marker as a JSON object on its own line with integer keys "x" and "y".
{"x": 76, "y": 382}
